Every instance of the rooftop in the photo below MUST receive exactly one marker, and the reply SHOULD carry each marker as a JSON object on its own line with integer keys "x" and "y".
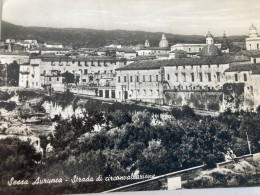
{"x": 152, "y": 64}
{"x": 250, "y": 53}
{"x": 14, "y": 53}
{"x": 255, "y": 68}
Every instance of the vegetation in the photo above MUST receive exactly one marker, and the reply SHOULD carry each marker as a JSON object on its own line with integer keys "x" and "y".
{"x": 13, "y": 74}
{"x": 9, "y": 106}
{"x": 134, "y": 139}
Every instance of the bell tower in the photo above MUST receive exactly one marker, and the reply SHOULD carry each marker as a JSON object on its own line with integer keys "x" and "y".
{"x": 209, "y": 39}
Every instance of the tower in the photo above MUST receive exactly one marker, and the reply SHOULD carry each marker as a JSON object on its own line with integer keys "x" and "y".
{"x": 209, "y": 39}
{"x": 147, "y": 44}
{"x": 224, "y": 44}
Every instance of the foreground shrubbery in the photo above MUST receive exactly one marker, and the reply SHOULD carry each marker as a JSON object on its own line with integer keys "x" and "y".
{"x": 130, "y": 141}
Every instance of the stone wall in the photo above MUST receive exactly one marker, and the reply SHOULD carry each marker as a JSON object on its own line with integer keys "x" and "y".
{"x": 210, "y": 100}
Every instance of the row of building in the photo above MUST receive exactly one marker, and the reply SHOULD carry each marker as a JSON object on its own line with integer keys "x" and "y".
{"x": 213, "y": 79}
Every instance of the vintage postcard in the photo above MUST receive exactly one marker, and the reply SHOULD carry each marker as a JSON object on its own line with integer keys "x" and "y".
{"x": 129, "y": 95}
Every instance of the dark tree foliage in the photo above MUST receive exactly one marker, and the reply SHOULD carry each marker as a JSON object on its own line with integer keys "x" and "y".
{"x": 68, "y": 77}
{"x": 18, "y": 159}
{"x": 13, "y": 74}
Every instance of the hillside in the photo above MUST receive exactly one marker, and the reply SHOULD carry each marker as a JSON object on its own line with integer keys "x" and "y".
{"x": 79, "y": 37}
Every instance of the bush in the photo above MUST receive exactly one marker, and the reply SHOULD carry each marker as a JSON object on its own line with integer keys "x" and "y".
{"x": 210, "y": 161}
{"x": 9, "y": 106}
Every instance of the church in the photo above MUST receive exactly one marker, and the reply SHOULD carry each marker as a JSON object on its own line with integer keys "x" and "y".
{"x": 253, "y": 41}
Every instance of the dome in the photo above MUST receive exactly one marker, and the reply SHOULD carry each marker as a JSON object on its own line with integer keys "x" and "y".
{"x": 164, "y": 42}
{"x": 210, "y": 50}
{"x": 252, "y": 27}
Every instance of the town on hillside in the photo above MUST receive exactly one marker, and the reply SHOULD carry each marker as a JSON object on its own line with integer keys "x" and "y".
{"x": 127, "y": 117}
{"x": 203, "y": 76}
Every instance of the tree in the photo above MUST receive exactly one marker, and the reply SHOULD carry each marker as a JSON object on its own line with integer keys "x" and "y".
{"x": 13, "y": 74}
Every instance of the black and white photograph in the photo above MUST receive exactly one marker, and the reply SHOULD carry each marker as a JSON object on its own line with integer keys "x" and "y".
{"x": 116, "y": 96}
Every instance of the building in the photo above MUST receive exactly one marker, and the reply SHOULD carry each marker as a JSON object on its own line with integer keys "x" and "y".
{"x": 10, "y": 57}
{"x": 253, "y": 41}
{"x": 193, "y": 50}
{"x": 94, "y": 73}
{"x": 49, "y": 50}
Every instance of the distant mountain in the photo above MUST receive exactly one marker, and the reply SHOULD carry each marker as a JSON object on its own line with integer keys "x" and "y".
{"x": 79, "y": 37}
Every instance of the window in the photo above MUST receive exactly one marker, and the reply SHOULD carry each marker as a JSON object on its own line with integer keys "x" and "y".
{"x": 184, "y": 77}
{"x": 157, "y": 92}
{"x": 236, "y": 78}
{"x": 73, "y": 62}
{"x": 137, "y": 78}
{"x": 150, "y": 78}
{"x": 79, "y": 63}
{"x": 50, "y": 79}
{"x": 254, "y": 60}
{"x": 192, "y": 77}
{"x": 209, "y": 77}
{"x": 144, "y": 92}
{"x": 209, "y": 65}
{"x": 58, "y": 79}
{"x": 200, "y": 74}
{"x": 143, "y": 78}
{"x": 218, "y": 65}
{"x": 183, "y": 67}
{"x": 168, "y": 77}
{"x": 137, "y": 92}
{"x": 257, "y": 46}
{"x": 245, "y": 77}
{"x": 177, "y": 79}
{"x": 218, "y": 77}
{"x": 85, "y": 71}
{"x": 124, "y": 78}
{"x": 156, "y": 77}
{"x": 86, "y": 63}
{"x": 84, "y": 80}
{"x": 105, "y": 72}
{"x": 118, "y": 79}
{"x": 151, "y": 92}
{"x": 131, "y": 79}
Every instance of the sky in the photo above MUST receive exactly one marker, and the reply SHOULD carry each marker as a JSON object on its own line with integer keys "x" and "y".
{"x": 187, "y": 17}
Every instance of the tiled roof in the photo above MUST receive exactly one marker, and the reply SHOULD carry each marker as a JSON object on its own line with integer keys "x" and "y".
{"x": 152, "y": 64}
{"x": 250, "y": 53}
{"x": 137, "y": 58}
{"x": 89, "y": 58}
{"x": 14, "y": 53}
{"x": 255, "y": 68}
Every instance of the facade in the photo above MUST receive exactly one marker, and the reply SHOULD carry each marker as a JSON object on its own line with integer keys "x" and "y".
{"x": 253, "y": 42}
{"x": 89, "y": 72}
{"x": 10, "y": 57}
